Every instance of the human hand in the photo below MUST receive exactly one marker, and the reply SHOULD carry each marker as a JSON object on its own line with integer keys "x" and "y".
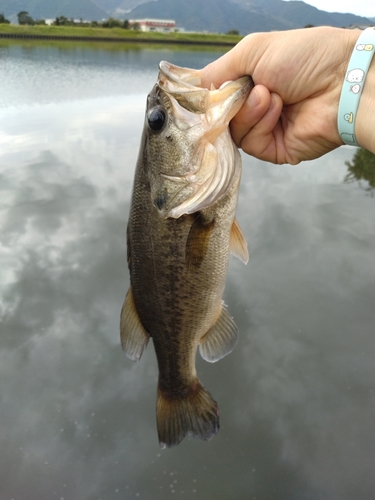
{"x": 291, "y": 113}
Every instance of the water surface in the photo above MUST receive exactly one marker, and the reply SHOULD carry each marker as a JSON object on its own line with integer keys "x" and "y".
{"x": 77, "y": 418}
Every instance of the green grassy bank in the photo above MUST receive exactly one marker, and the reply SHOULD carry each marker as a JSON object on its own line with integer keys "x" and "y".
{"x": 117, "y": 34}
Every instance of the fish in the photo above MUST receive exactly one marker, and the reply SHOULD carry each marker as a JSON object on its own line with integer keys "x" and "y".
{"x": 180, "y": 232}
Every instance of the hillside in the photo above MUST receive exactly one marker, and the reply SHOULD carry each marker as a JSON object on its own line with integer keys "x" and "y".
{"x": 215, "y": 16}
{"x": 118, "y": 7}
{"x": 49, "y": 9}
{"x": 244, "y": 15}
{"x": 198, "y": 16}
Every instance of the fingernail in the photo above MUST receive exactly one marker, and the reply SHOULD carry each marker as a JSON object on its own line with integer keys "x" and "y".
{"x": 254, "y": 98}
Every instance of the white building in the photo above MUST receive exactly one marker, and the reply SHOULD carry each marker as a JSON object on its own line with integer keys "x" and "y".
{"x": 163, "y": 25}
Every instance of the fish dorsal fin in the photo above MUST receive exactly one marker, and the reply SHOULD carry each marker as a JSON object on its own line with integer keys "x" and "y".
{"x": 134, "y": 337}
{"x": 238, "y": 243}
{"x": 221, "y": 338}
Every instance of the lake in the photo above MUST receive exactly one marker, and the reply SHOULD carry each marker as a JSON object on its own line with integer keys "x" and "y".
{"x": 77, "y": 417}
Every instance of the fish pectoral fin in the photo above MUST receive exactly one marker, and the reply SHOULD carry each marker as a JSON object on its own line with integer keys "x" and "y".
{"x": 197, "y": 241}
{"x": 220, "y": 339}
{"x": 238, "y": 243}
{"x": 134, "y": 337}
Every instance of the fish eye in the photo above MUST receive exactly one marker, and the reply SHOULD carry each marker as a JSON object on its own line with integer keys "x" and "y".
{"x": 156, "y": 119}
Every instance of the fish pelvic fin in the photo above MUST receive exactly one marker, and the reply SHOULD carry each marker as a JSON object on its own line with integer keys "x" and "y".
{"x": 238, "y": 243}
{"x": 134, "y": 337}
{"x": 221, "y": 338}
{"x": 192, "y": 413}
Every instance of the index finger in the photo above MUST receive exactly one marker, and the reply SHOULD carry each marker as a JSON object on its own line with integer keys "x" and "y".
{"x": 237, "y": 62}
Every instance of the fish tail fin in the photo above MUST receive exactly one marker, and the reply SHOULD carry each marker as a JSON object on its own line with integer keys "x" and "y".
{"x": 193, "y": 413}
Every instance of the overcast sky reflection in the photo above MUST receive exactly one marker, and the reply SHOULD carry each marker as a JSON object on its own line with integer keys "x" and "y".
{"x": 77, "y": 417}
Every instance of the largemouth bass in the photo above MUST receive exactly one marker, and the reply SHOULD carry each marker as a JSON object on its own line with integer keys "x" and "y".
{"x": 180, "y": 232}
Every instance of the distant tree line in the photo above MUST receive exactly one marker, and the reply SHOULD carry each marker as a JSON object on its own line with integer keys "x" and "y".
{"x": 108, "y": 23}
{"x": 3, "y": 20}
{"x": 25, "y": 18}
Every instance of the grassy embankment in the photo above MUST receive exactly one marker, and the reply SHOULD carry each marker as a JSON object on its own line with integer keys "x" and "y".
{"x": 118, "y": 33}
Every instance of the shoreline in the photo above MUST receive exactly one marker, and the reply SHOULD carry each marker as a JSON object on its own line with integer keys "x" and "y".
{"x": 22, "y": 36}
{"x": 114, "y": 35}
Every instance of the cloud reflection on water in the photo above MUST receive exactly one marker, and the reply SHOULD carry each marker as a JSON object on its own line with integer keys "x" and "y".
{"x": 61, "y": 322}
{"x": 311, "y": 318}
{"x": 78, "y": 418}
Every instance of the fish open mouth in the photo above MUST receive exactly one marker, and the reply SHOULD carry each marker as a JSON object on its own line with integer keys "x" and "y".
{"x": 204, "y": 116}
{"x": 185, "y": 85}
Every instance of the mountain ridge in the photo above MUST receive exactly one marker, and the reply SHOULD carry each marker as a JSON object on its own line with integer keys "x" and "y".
{"x": 50, "y": 9}
{"x": 246, "y": 16}
{"x": 216, "y": 16}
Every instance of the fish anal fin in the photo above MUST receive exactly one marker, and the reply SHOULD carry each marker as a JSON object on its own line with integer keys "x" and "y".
{"x": 191, "y": 413}
{"x": 221, "y": 338}
{"x": 134, "y": 337}
{"x": 238, "y": 243}
{"x": 197, "y": 241}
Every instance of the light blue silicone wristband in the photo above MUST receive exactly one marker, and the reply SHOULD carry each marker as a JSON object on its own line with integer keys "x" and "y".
{"x": 353, "y": 84}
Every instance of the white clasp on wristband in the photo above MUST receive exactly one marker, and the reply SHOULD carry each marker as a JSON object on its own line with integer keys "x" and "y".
{"x": 353, "y": 85}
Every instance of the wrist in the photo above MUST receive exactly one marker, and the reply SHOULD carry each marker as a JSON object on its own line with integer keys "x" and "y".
{"x": 345, "y": 42}
{"x": 365, "y": 123}
{"x": 357, "y": 90}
